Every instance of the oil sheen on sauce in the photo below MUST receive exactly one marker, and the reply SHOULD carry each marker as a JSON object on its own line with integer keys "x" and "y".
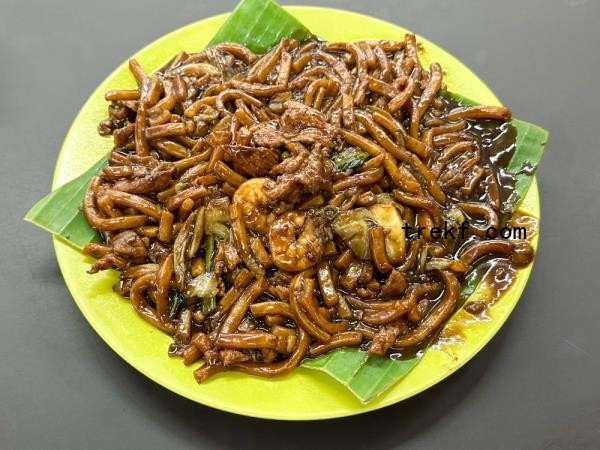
{"x": 497, "y": 141}
{"x": 497, "y": 276}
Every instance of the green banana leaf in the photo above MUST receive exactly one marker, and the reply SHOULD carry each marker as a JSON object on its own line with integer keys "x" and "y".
{"x": 260, "y": 24}
{"x": 59, "y": 213}
{"x": 531, "y": 140}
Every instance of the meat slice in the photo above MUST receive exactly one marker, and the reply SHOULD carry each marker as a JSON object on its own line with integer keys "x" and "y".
{"x": 155, "y": 181}
{"x": 298, "y": 123}
{"x": 252, "y": 161}
{"x": 229, "y": 357}
{"x": 313, "y": 177}
{"x": 394, "y": 285}
{"x": 385, "y": 337}
{"x": 267, "y": 134}
{"x": 298, "y": 117}
{"x": 108, "y": 261}
{"x": 129, "y": 244}
{"x": 293, "y": 163}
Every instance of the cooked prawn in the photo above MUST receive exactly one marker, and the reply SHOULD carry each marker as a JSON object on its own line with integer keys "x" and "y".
{"x": 254, "y": 204}
{"x": 296, "y": 241}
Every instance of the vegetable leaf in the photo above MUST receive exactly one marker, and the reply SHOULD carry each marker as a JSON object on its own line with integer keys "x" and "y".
{"x": 209, "y": 303}
{"x": 349, "y": 158}
{"x": 259, "y": 25}
{"x": 175, "y": 301}
{"x": 209, "y": 254}
{"x": 59, "y": 213}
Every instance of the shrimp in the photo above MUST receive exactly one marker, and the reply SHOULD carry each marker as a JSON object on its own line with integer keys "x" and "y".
{"x": 254, "y": 204}
{"x": 296, "y": 240}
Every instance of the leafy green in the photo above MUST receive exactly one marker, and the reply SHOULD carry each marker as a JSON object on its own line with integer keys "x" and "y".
{"x": 209, "y": 303}
{"x": 209, "y": 252}
{"x": 259, "y": 25}
{"x": 59, "y": 213}
{"x": 175, "y": 301}
{"x": 349, "y": 158}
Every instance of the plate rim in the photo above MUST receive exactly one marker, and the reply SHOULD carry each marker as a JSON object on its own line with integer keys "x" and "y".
{"x": 517, "y": 289}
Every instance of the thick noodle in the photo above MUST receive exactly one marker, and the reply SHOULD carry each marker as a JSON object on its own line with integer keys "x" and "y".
{"x": 256, "y": 206}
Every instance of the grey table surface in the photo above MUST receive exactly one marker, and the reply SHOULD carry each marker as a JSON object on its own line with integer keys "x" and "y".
{"x": 536, "y": 385}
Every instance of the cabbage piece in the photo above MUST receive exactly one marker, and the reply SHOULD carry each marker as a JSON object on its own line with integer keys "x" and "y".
{"x": 353, "y": 226}
{"x": 204, "y": 285}
{"x": 216, "y": 218}
{"x": 388, "y": 217}
{"x": 386, "y": 198}
{"x": 349, "y": 158}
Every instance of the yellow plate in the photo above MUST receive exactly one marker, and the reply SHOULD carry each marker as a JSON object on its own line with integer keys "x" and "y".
{"x": 304, "y": 394}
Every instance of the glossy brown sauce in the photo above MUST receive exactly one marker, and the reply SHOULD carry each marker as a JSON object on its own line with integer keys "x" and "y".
{"x": 497, "y": 276}
{"x": 497, "y": 140}
{"x": 260, "y": 176}
{"x": 530, "y": 223}
{"x": 498, "y": 143}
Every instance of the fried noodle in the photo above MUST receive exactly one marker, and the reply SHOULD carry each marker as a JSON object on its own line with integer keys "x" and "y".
{"x": 254, "y": 205}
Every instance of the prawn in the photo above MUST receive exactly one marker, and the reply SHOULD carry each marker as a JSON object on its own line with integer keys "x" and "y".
{"x": 296, "y": 240}
{"x": 254, "y": 205}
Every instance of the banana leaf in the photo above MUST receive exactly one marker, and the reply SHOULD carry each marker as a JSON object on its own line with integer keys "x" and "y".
{"x": 59, "y": 213}
{"x": 260, "y": 24}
